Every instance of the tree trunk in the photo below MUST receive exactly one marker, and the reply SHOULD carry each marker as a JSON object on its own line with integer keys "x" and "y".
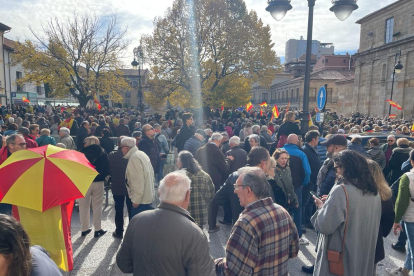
{"x": 83, "y": 100}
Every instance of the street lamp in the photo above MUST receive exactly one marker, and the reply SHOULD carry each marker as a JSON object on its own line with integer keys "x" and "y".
{"x": 139, "y": 55}
{"x": 397, "y": 69}
{"x": 342, "y": 10}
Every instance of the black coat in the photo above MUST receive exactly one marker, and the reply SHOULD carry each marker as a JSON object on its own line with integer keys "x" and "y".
{"x": 98, "y": 131}
{"x": 107, "y": 144}
{"x": 213, "y": 162}
{"x": 288, "y": 128}
{"x": 183, "y": 136}
{"x": 97, "y": 157}
{"x": 398, "y": 157}
{"x": 298, "y": 172}
{"x": 240, "y": 158}
{"x": 118, "y": 164}
{"x": 263, "y": 143}
{"x": 148, "y": 146}
{"x": 80, "y": 137}
{"x": 314, "y": 161}
{"x": 386, "y": 223}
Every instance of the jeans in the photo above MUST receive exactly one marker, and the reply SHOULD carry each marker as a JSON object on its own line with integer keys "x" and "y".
{"x": 409, "y": 259}
{"x": 119, "y": 212}
{"x": 402, "y": 238}
{"x": 297, "y": 212}
{"x": 160, "y": 172}
{"x": 306, "y": 198}
{"x": 139, "y": 209}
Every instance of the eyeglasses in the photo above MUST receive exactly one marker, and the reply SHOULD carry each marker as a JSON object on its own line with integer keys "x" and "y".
{"x": 390, "y": 140}
{"x": 20, "y": 144}
{"x": 236, "y": 186}
{"x": 337, "y": 167}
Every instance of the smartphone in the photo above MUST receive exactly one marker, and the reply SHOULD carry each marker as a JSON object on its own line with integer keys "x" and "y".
{"x": 314, "y": 194}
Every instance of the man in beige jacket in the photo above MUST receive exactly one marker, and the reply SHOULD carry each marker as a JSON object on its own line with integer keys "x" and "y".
{"x": 139, "y": 177}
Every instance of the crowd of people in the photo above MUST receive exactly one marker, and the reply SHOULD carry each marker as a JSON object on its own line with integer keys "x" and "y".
{"x": 273, "y": 181}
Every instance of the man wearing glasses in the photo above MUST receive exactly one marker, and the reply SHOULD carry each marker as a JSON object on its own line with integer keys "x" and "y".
{"x": 258, "y": 244}
{"x": 387, "y": 149}
{"x": 13, "y": 143}
{"x": 147, "y": 145}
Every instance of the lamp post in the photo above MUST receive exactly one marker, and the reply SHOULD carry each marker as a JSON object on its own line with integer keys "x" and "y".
{"x": 139, "y": 55}
{"x": 397, "y": 69}
{"x": 342, "y": 10}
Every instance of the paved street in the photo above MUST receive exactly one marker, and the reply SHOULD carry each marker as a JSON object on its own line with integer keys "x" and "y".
{"x": 97, "y": 256}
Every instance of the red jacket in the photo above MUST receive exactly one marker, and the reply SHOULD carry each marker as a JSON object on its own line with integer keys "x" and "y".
{"x": 30, "y": 143}
{"x": 3, "y": 154}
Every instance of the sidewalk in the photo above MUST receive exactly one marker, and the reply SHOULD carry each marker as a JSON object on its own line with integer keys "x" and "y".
{"x": 96, "y": 256}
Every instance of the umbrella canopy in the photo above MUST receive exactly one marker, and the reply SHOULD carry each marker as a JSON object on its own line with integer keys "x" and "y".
{"x": 44, "y": 177}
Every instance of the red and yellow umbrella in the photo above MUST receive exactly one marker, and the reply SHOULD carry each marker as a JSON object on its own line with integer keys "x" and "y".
{"x": 44, "y": 177}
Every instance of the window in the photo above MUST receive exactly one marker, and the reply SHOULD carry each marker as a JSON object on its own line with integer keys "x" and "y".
{"x": 344, "y": 60}
{"x": 291, "y": 95}
{"x": 389, "y": 29}
{"x": 329, "y": 95}
{"x": 279, "y": 98}
{"x": 264, "y": 97}
{"x": 297, "y": 94}
{"x": 326, "y": 60}
{"x": 323, "y": 61}
{"x": 384, "y": 72}
{"x": 19, "y": 75}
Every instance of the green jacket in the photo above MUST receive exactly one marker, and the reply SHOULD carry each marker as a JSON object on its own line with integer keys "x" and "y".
{"x": 283, "y": 178}
{"x": 45, "y": 140}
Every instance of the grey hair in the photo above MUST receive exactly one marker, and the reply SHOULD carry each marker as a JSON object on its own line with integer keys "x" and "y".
{"x": 255, "y": 178}
{"x": 391, "y": 136}
{"x": 91, "y": 140}
{"x": 235, "y": 140}
{"x": 216, "y": 137}
{"x": 255, "y": 137}
{"x": 65, "y": 131}
{"x": 256, "y": 128}
{"x": 128, "y": 142}
{"x": 12, "y": 138}
{"x": 207, "y": 131}
{"x": 263, "y": 128}
{"x": 174, "y": 186}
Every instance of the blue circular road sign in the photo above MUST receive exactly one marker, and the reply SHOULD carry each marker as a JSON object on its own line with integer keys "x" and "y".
{"x": 321, "y": 98}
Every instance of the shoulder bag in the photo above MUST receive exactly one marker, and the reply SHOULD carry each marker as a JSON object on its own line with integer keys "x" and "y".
{"x": 335, "y": 258}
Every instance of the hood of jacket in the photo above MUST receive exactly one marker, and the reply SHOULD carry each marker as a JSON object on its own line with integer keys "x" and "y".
{"x": 131, "y": 152}
{"x": 92, "y": 152}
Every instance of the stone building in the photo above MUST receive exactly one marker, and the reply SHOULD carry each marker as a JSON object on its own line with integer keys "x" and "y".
{"x": 131, "y": 98}
{"x": 383, "y": 33}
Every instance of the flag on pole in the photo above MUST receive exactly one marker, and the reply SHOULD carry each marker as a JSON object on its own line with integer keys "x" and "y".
{"x": 222, "y": 107}
{"x": 263, "y": 104}
{"x": 412, "y": 128}
{"x": 249, "y": 106}
{"x": 394, "y": 104}
{"x": 98, "y": 105}
{"x": 275, "y": 111}
{"x": 287, "y": 107}
{"x": 310, "y": 120}
{"x": 25, "y": 100}
{"x": 392, "y": 116}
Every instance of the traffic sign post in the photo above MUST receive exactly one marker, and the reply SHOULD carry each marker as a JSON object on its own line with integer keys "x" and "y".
{"x": 321, "y": 99}
{"x": 320, "y": 117}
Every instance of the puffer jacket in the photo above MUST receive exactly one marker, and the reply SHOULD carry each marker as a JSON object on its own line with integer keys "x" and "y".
{"x": 377, "y": 155}
{"x": 99, "y": 159}
{"x": 192, "y": 145}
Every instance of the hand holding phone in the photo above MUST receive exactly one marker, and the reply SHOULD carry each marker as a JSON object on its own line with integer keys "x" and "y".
{"x": 314, "y": 194}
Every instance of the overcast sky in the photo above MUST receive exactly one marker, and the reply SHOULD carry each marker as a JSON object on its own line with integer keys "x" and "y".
{"x": 138, "y": 16}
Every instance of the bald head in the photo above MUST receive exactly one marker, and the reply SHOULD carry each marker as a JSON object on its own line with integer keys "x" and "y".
{"x": 293, "y": 139}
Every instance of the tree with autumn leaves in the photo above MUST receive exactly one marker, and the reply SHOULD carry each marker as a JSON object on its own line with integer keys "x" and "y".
{"x": 77, "y": 56}
{"x": 213, "y": 48}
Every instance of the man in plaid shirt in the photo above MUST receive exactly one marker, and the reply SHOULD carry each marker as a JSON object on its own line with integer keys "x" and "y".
{"x": 264, "y": 237}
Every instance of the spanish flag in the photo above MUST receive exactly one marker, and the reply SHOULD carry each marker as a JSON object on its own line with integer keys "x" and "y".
{"x": 261, "y": 112}
{"x": 51, "y": 230}
{"x": 263, "y": 104}
{"x": 394, "y": 104}
{"x": 249, "y": 106}
{"x": 25, "y": 100}
{"x": 412, "y": 128}
{"x": 98, "y": 105}
{"x": 275, "y": 112}
{"x": 310, "y": 120}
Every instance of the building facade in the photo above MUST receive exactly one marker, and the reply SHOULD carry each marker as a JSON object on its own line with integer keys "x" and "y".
{"x": 383, "y": 33}
{"x": 3, "y": 95}
{"x": 130, "y": 97}
{"x": 295, "y": 48}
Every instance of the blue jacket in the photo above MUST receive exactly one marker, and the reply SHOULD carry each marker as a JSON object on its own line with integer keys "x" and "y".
{"x": 321, "y": 150}
{"x": 296, "y": 151}
{"x": 192, "y": 145}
